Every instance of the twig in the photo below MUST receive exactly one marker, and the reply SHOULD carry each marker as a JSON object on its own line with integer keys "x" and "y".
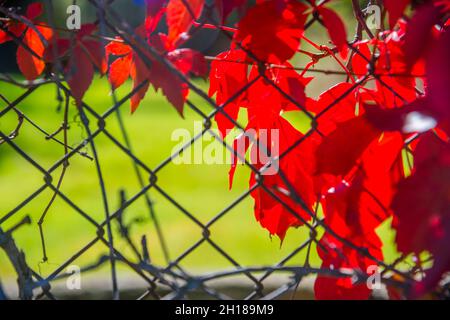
{"x": 17, "y": 259}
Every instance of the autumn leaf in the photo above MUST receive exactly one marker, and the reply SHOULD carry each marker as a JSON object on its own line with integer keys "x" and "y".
{"x": 395, "y": 8}
{"x": 278, "y": 38}
{"x": 180, "y": 16}
{"x": 228, "y": 6}
{"x": 119, "y": 71}
{"x": 228, "y": 76}
{"x": 30, "y": 52}
{"x": 341, "y": 149}
{"x": 360, "y": 61}
{"x": 32, "y": 64}
{"x": 85, "y": 55}
{"x": 419, "y": 32}
{"x": 336, "y": 29}
{"x": 421, "y": 218}
{"x": 342, "y": 99}
{"x": 278, "y": 209}
{"x": 145, "y": 69}
{"x": 34, "y": 10}
{"x": 140, "y": 74}
{"x": 81, "y": 73}
{"x": 438, "y": 76}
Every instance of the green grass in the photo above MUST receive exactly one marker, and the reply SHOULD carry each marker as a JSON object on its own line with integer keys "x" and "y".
{"x": 200, "y": 189}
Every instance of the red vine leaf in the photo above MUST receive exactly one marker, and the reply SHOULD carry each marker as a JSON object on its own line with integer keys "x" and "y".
{"x": 421, "y": 206}
{"x": 278, "y": 38}
{"x": 32, "y": 64}
{"x": 180, "y": 16}
{"x": 228, "y": 76}
{"x": 119, "y": 71}
{"x": 34, "y": 10}
{"x": 419, "y": 32}
{"x": 228, "y": 6}
{"x": 84, "y": 55}
{"x": 336, "y": 29}
{"x": 395, "y": 8}
{"x": 81, "y": 74}
{"x": 341, "y": 149}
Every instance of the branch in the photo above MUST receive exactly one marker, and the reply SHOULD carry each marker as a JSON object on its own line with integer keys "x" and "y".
{"x": 17, "y": 258}
{"x": 360, "y": 18}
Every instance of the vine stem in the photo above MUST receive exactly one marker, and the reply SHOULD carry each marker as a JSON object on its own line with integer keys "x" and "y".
{"x": 211, "y": 26}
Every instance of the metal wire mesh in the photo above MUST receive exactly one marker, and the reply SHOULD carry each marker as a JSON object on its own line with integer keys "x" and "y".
{"x": 170, "y": 281}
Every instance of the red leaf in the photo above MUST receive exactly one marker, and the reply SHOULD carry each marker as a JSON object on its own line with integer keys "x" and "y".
{"x": 416, "y": 117}
{"x": 382, "y": 169}
{"x": 227, "y": 77}
{"x": 155, "y": 11}
{"x": 122, "y": 67}
{"x": 438, "y": 76}
{"x": 360, "y": 60}
{"x": 282, "y": 89}
{"x": 86, "y": 29}
{"x": 418, "y": 32}
{"x": 423, "y": 196}
{"x": 172, "y": 87}
{"x": 339, "y": 105}
{"x": 340, "y": 150}
{"x": 338, "y": 255}
{"x": 154, "y": 7}
{"x": 189, "y": 61}
{"x": 230, "y": 5}
{"x": 336, "y": 29}
{"x": 421, "y": 205}
{"x": 119, "y": 71}
{"x": 80, "y": 66}
{"x": 157, "y": 73}
{"x": 362, "y": 200}
{"x": 394, "y": 90}
{"x": 56, "y": 49}
{"x": 297, "y": 166}
{"x": 292, "y": 85}
{"x": 161, "y": 78}
{"x": 139, "y": 73}
{"x": 17, "y": 28}
{"x": 4, "y": 37}
{"x": 240, "y": 146}
{"x": 81, "y": 73}
{"x": 96, "y": 54}
{"x": 278, "y": 37}
{"x": 32, "y": 65}
{"x": 34, "y": 10}
{"x": 180, "y": 16}
{"x": 387, "y": 119}
{"x": 395, "y": 8}
{"x": 118, "y": 48}
{"x": 354, "y": 210}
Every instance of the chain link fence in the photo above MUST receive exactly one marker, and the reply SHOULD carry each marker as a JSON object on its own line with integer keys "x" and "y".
{"x": 169, "y": 281}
